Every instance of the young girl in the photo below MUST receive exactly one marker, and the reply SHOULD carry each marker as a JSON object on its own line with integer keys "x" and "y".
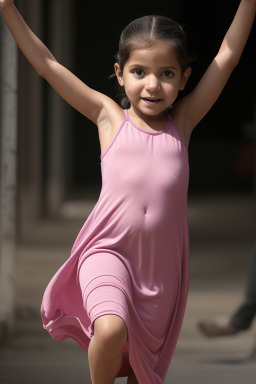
{"x": 122, "y": 293}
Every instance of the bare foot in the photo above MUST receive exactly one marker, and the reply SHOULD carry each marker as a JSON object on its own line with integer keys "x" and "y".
{"x": 132, "y": 378}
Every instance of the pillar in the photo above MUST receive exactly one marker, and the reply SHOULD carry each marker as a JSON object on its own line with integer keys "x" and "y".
{"x": 8, "y": 179}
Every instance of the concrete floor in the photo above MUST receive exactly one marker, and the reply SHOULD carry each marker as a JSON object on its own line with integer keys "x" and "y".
{"x": 222, "y": 231}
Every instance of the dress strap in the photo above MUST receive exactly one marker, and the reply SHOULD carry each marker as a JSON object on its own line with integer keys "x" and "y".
{"x": 126, "y": 114}
{"x": 177, "y": 130}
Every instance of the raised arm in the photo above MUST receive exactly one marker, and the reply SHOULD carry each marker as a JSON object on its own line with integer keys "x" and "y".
{"x": 194, "y": 106}
{"x": 86, "y": 100}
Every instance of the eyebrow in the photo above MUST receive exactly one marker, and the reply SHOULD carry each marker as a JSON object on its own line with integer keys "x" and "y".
{"x": 135, "y": 65}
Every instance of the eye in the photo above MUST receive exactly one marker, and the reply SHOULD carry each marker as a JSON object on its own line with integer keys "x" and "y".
{"x": 168, "y": 73}
{"x": 138, "y": 72}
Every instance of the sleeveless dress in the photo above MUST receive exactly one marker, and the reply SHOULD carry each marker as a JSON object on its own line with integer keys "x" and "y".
{"x": 131, "y": 257}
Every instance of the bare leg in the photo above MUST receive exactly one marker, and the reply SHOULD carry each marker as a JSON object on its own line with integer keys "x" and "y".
{"x": 106, "y": 348}
{"x": 132, "y": 378}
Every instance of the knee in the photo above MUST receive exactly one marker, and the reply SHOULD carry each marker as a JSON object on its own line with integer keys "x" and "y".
{"x": 110, "y": 332}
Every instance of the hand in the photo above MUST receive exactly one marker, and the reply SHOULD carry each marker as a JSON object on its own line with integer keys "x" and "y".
{"x": 5, "y": 4}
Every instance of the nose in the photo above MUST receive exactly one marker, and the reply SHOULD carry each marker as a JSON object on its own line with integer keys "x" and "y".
{"x": 152, "y": 83}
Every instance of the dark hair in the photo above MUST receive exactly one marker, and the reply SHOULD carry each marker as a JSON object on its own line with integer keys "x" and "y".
{"x": 143, "y": 33}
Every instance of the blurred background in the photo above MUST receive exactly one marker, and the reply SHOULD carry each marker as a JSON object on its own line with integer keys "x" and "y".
{"x": 51, "y": 180}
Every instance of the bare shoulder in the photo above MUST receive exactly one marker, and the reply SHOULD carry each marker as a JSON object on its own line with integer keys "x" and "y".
{"x": 179, "y": 118}
{"x": 109, "y": 122}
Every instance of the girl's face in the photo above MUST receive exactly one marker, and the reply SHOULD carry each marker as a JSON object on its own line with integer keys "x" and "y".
{"x": 152, "y": 78}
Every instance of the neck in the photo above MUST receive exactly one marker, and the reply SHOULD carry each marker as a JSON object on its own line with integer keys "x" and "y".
{"x": 148, "y": 120}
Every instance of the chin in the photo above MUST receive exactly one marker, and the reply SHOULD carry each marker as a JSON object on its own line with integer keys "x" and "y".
{"x": 153, "y": 111}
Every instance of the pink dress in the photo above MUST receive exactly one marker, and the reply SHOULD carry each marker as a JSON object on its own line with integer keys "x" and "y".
{"x": 131, "y": 257}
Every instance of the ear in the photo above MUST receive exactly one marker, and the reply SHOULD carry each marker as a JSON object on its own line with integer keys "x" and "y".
{"x": 119, "y": 74}
{"x": 185, "y": 78}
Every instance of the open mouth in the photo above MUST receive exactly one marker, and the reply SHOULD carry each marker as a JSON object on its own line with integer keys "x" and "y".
{"x": 151, "y": 101}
